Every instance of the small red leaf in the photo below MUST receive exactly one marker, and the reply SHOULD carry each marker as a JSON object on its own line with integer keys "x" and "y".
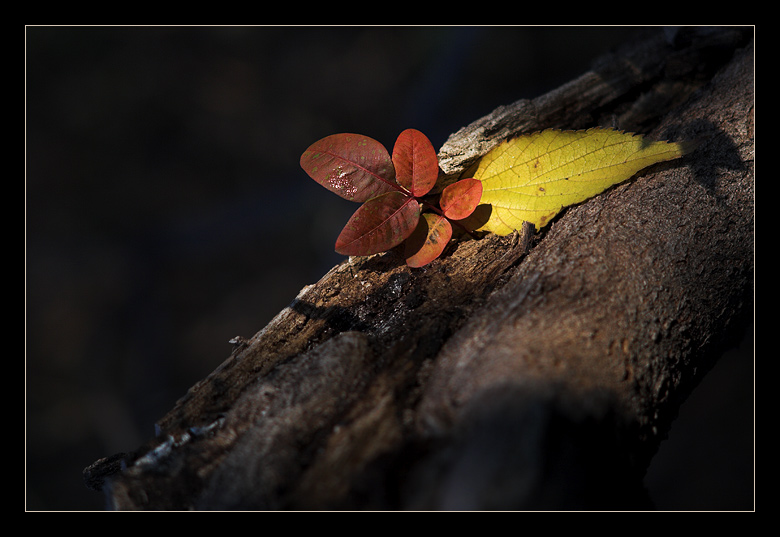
{"x": 379, "y": 224}
{"x": 353, "y": 166}
{"x": 428, "y": 241}
{"x": 415, "y": 161}
{"x": 459, "y": 200}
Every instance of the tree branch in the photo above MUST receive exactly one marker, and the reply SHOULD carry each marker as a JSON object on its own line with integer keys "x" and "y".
{"x": 520, "y": 372}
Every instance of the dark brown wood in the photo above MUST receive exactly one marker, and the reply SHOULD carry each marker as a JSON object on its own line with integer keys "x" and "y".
{"x": 533, "y": 371}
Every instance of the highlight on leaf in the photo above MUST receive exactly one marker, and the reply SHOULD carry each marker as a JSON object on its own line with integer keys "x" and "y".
{"x": 391, "y": 190}
{"x": 534, "y": 176}
{"x": 355, "y": 167}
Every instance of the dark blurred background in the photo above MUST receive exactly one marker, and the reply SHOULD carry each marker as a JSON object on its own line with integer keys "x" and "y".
{"x": 166, "y": 213}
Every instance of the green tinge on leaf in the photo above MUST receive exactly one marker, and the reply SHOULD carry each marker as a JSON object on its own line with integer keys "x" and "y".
{"x": 533, "y": 177}
{"x": 379, "y": 224}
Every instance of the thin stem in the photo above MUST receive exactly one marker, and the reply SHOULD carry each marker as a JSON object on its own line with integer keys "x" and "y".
{"x": 438, "y": 211}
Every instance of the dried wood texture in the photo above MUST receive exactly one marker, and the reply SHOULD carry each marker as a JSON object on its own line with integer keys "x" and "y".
{"x": 520, "y": 372}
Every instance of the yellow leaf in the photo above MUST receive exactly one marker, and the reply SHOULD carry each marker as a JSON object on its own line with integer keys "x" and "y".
{"x": 533, "y": 177}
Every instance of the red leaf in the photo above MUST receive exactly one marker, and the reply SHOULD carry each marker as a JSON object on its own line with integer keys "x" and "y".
{"x": 415, "y": 161}
{"x": 353, "y": 166}
{"x": 379, "y": 224}
{"x": 428, "y": 241}
{"x": 459, "y": 200}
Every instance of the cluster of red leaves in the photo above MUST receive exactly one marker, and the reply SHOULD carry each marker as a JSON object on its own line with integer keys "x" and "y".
{"x": 391, "y": 191}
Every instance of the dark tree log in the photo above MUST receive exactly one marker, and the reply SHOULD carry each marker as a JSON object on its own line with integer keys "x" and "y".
{"x": 533, "y": 371}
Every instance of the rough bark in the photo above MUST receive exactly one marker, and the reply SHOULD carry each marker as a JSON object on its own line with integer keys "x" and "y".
{"x": 533, "y": 371}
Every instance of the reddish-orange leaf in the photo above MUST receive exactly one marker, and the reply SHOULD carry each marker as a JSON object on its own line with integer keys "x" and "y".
{"x": 353, "y": 166}
{"x": 428, "y": 241}
{"x": 459, "y": 200}
{"x": 379, "y": 224}
{"x": 415, "y": 161}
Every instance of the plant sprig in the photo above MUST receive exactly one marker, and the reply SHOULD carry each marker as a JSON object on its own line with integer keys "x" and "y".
{"x": 391, "y": 190}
